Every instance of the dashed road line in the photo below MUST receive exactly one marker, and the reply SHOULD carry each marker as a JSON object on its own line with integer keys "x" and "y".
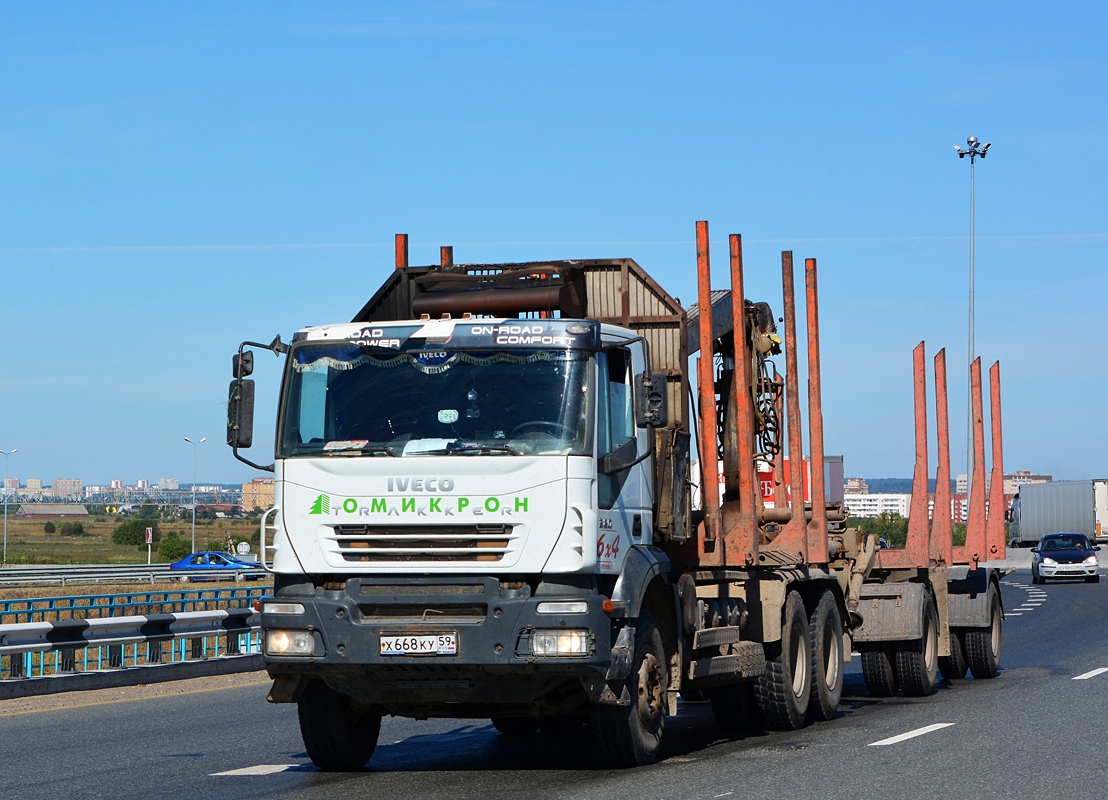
{"x": 911, "y": 734}
{"x": 260, "y": 769}
{"x": 1091, "y": 674}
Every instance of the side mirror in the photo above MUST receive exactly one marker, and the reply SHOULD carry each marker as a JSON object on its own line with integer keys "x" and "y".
{"x": 242, "y": 365}
{"x": 240, "y": 413}
{"x": 1035, "y": 549}
{"x": 650, "y": 400}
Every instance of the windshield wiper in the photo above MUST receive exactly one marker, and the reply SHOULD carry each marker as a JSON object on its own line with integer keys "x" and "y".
{"x": 460, "y": 447}
{"x": 371, "y": 450}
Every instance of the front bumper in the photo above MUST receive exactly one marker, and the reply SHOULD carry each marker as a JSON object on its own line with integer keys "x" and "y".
{"x": 493, "y": 625}
{"x": 1068, "y": 570}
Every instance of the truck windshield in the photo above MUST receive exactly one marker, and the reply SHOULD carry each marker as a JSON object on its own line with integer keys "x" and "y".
{"x": 342, "y": 398}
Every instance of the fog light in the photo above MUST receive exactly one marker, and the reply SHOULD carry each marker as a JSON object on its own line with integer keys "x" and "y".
{"x": 289, "y": 643}
{"x": 283, "y": 608}
{"x": 569, "y": 607}
{"x": 560, "y": 643}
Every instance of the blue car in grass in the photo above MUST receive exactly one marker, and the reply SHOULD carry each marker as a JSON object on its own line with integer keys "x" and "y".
{"x": 204, "y": 564}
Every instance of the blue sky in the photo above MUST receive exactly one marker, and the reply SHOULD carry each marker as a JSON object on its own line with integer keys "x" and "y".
{"x": 178, "y": 178}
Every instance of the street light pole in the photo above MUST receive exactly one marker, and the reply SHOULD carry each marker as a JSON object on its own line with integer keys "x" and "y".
{"x": 974, "y": 150}
{"x": 13, "y": 451}
{"x": 194, "y": 447}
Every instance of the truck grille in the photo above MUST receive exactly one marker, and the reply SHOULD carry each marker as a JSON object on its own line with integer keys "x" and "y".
{"x": 422, "y": 543}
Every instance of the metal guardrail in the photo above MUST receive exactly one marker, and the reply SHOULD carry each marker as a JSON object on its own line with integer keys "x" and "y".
{"x": 67, "y": 655}
{"x": 118, "y": 573}
{"x": 160, "y": 601}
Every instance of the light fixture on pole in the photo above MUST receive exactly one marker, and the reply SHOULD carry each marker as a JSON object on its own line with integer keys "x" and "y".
{"x": 11, "y": 452}
{"x": 194, "y": 446}
{"x": 974, "y": 150}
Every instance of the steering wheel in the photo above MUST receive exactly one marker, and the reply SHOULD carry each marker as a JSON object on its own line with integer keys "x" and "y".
{"x": 555, "y": 429}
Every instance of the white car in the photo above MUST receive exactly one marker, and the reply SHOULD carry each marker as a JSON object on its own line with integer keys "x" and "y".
{"x": 1065, "y": 555}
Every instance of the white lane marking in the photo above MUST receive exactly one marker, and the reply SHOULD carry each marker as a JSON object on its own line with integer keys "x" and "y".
{"x": 911, "y": 734}
{"x": 1091, "y": 674}
{"x": 1013, "y": 614}
{"x": 725, "y": 794}
{"x": 260, "y": 769}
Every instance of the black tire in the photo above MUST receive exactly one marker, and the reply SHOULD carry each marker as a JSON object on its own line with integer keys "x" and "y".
{"x": 825, "y": 627}
{"x": 782, "y": 693}
{"x": 917, "y": 662}
{"x": 338, "y": 737}
{"x": 735, "y": 709}
{"x": 983, "y": 645}
{"x": 879, "y": 671}
{"x": 515, "y": 726}
{"x": 631, "y": 735}
{"x": 953, "y": 667}
{"x": 1034, "y": 574}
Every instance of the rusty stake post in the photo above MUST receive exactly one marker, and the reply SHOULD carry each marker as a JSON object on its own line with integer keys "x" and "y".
{"x": 995, "y": 524}
{"x": 740, "y": 533}
{"x": 817, "y": 528}
{"x": 706, "y": 385}
{"x": 401, "y": 250}
{"x": 974, "y": 550}
{"x": 792, "y": 541}
{"x": 942, "y": 545}
{"x": 446, "y": 255}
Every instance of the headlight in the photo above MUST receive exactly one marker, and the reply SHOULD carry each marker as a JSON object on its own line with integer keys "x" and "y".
{"x": 560, "y": 643}
{"x": 1092, "y": 560}
{"x": 289, "y": 643}
{"x": 1050, "y": 561}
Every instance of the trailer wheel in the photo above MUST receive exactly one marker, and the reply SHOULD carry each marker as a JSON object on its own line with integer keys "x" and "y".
{"x": 631, "y": 735}
{"x": 983, "y": 644}
{"x": 878, "y": 671}
{"x": 783, "y": 692}
{"x": 953, "y": 667}
{"x": 917, "y": 662}
{"x": 337, "y": 736}
{"x": 826, "y": 629}
{"x": 515, "y": 726}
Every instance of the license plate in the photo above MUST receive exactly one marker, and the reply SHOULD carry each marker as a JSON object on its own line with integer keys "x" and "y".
{"x": 424, "y": 644}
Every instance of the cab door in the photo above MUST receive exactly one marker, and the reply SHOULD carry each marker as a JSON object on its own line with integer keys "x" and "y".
{"x": 624, "y": 466}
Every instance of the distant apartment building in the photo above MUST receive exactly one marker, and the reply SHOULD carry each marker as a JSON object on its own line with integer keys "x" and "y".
{"x": 66, "y": 487}
{"x": 1014, "y": 481}
{"x": 115, "y": 486}
{"x": 257, "y": 494}
{"x": 872, "y": 505}
{"x": 11, "y": 483}
{"x": 142, "y": 485}
{"x": 34, "y": 484}
{"x": 168, "y": 483}
{"x": 856, "y": 486}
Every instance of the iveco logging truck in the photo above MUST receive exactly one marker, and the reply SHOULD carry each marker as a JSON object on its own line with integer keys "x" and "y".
{"x": 482, "y": 509}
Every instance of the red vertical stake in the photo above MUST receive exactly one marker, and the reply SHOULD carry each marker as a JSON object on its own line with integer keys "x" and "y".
{"x": 446, "y": 255}
{"x": 995, "y": 539}
{"x": 401, "y": 250}
{"x": 942, "y": 545}
{"x": 706, "y": 385}
{"x": 817, "y": 528}
{"x": 975, "y": 527}
{"x": 740, "y": 530}
{"x": 793, "y": 538}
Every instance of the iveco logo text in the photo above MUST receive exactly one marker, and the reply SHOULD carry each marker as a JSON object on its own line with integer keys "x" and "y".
{"x": 421, "y": 484}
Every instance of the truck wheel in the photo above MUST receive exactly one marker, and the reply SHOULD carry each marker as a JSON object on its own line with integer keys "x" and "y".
{"x": 631, "y": 735}
{"x": 782, "y": 693}
{"x": 953, "y": 667}
{"x": 983, "y": 644}
{"x": 825, "y": 625}
{"x": 338, "y": 738}
{"x": 917, "y": 662}
{"x": 878, "y": 671}
{"x": 515, "y": 726}
{"x": 734, "y": 709}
